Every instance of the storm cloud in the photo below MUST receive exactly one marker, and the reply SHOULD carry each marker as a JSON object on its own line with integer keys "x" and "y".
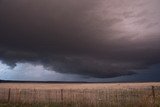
{"x": 96, "y": 38}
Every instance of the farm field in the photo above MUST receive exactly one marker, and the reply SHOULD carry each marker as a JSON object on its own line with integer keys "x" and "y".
{"x": 80, "y": 95}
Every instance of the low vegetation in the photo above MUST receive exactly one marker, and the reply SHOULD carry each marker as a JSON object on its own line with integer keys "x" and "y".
{"x": 143, "y": 97}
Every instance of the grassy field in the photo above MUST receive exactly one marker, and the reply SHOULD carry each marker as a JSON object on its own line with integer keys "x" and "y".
{"x": 80, "y": 95}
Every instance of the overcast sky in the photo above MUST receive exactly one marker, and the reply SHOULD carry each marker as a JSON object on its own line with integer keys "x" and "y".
{"x": 80, "y": 40}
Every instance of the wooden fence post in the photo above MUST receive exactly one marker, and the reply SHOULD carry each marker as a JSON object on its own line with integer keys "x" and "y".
{"x": 34, "y": 94}
{"x": 153, "y": 93}
{"x": 9, "y": 94}
{"x": 62, "y": 97}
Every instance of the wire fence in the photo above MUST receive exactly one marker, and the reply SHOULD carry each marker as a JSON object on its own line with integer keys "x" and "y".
{"x": 78, "y": 97}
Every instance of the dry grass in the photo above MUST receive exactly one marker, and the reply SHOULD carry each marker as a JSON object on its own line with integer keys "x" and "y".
{"x": 80, "y": 95}
{"x": 78, "y": 86}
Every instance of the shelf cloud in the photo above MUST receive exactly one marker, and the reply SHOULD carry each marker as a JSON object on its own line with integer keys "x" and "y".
{"x": 96, "y": 38}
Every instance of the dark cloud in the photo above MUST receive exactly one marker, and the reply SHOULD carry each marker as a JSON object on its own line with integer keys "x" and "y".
{"x": 95, "y": 38}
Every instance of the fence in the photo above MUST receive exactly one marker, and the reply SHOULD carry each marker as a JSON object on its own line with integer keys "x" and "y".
{"x": 79, "y": 97}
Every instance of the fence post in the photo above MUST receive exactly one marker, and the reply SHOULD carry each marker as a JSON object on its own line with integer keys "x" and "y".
{"x": 9, "y": 94}
{"x": 34, "y": 94}
{"x": 62, "y": 97}
{"x": 153, "y": 93}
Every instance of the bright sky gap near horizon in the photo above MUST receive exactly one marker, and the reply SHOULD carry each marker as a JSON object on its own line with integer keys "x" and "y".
{"x": 86, "y": 40}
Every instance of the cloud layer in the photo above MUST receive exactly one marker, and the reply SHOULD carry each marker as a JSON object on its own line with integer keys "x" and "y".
{"x": 103, "y": 38}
